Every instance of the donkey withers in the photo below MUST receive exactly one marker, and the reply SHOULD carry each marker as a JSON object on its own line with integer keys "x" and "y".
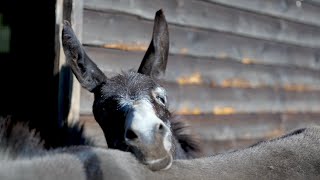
{"x": 132, "y": 107}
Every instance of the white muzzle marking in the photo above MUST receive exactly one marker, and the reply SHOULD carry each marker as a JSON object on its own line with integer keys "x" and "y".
{"x": 142, "y": 120}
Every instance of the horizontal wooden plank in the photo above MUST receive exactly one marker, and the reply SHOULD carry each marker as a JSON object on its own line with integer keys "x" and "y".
{"x": 196, "y": 99}
{"x": 212, "y": 71}
{"x": 307, "y": 12}
{"x": 202, "y": 14}
{"x": 221, "y": 133}
{"x": 294, "y": 121}
{"x": 235, "y": 126}
{"x": 110, "y": 30}
{"x": 249, "y": 125}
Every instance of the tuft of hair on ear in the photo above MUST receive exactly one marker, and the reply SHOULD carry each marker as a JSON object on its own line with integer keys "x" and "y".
{"x": 189, "y": 140}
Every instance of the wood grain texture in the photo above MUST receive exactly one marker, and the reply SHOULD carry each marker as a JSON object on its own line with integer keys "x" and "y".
{"x": 249, "y": 125}
{"x": 212, "y": 71}
{"x": 110, "y": 30}
{"x": 307, "y": 13}
{"x": 264, "y": 89}
{"x": 196, "y": 99}
{"x": 207, "y": 15}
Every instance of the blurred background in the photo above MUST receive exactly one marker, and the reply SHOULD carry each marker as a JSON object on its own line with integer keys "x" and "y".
{"x": 239, "y": 71}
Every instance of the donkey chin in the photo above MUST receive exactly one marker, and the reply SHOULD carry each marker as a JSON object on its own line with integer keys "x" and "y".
{"x": 156, "y": 154}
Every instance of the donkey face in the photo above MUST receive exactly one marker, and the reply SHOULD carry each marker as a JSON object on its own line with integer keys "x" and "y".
{"x": 130, "y": 107}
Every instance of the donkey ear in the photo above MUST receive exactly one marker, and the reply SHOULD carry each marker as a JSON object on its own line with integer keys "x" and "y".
{"x": 85, "y": 70}
{"x": 154, "y": 61}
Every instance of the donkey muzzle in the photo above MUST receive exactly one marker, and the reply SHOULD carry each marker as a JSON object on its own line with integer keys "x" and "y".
{"x": 148, "y": 136}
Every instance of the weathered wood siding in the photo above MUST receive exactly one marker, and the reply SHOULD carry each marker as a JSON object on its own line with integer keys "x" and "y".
{"x": 238, "y": 71}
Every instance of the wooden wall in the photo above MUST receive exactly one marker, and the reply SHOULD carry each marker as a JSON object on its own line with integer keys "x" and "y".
{"x": 238, "y": 71}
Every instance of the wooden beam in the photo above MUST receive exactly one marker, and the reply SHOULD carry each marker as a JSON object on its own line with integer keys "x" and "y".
{"x": 69, "y": 88}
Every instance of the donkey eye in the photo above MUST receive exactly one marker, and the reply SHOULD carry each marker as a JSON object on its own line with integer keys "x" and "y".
{"x": 162, "y": 99}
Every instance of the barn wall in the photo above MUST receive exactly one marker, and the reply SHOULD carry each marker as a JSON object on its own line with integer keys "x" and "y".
{"x": 238, "y": 71}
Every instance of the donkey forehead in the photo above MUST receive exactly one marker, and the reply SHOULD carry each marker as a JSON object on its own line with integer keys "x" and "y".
{"x": 129, "y": 85}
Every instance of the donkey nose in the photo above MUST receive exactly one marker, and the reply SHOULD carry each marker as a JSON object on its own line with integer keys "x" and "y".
{"x": 136, "y": 134}
{"x": 161, "y": 128}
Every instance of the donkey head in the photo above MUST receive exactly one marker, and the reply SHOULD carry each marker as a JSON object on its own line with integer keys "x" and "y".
{"x": 131, "y": 108}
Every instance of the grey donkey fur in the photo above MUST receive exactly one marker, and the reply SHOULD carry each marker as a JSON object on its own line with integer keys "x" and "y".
{"x": 295, "y": 155}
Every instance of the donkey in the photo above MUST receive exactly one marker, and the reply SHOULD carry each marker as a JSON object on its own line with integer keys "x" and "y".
{"x": 132, "y": 107}
{"x": 295, "y": 155}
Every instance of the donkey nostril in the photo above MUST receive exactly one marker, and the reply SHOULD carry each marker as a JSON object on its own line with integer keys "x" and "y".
{"x": 131, "y": 135}
{"x": 161, "y": 127}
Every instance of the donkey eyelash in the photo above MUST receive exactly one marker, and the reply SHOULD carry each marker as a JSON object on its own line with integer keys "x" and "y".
{"x": 162, "y": 99}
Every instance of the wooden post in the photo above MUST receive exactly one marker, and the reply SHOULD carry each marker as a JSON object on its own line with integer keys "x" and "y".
{"x": 69, "y": 88}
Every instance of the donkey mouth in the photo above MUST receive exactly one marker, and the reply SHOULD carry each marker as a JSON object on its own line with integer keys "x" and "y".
{"x": 160, "y": 164}
{"x": 156, "y": 158}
